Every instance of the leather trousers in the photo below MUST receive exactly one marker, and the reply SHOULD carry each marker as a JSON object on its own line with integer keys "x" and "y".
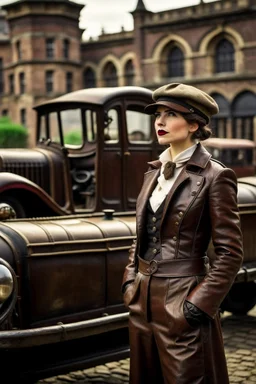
{"x": 165, "y": 349}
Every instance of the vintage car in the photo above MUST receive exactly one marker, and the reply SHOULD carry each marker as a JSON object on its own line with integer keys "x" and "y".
{"x": 89, "y": 142}
{"x": 61, "y": 305}
{"x": 66, "y": 223}
{"x": 238, "y": 154}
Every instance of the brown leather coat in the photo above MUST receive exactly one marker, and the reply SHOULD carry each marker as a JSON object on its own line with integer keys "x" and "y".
{"x": 200, "y": 207}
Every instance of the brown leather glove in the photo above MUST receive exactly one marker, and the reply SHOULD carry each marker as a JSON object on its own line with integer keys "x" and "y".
{"x": 194, "y": 316}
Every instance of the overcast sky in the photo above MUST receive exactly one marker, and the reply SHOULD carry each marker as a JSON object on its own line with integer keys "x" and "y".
{"x": 112, "y": 15}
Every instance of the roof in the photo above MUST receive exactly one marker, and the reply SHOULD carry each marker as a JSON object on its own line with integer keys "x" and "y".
{"x": 222, "y": 143}
{"x": 97, "y": 96}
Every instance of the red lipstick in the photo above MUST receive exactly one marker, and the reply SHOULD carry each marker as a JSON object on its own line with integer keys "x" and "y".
{"x": 161, "y": 132}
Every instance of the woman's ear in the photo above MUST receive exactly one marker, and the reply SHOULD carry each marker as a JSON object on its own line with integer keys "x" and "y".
{"x": 193, "y": 127}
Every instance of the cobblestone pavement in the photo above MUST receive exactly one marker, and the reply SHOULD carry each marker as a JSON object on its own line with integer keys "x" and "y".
{"x": 240, "y": 347}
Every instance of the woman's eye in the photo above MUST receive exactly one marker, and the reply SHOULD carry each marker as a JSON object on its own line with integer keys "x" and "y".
{"x": 156, "y": 114}
{"x": 171, "y": 113}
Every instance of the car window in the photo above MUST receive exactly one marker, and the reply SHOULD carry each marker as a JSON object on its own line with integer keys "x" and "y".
{"x": 72, "y": 127}
{"x": 111, "y": 126}
{"x": 138, "y": 126}
{"x": 90, "y": 125}
{"x": 49, "y": 121}
{"x": 43, "y": 132}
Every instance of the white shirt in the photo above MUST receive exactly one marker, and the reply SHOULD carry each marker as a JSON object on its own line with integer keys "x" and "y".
{"x": 163, "y": 187}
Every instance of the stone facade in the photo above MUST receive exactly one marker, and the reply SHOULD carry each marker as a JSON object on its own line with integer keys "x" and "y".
{"x": 35, "y": 30}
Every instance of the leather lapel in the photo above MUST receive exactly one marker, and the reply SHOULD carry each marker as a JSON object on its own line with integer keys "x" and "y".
{"x": 183, "y": 176}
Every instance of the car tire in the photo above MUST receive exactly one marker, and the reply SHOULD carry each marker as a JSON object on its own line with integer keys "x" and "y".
{"x": 15, "y": 205}
{"x": 240, "y": 299}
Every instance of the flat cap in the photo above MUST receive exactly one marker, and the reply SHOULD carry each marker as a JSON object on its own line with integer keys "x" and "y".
{"x": 184, "y": 99}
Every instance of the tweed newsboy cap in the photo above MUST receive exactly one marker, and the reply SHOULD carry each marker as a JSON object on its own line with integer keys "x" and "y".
{"x": 185, "y": 99}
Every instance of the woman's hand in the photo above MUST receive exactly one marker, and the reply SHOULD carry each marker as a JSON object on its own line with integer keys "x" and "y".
{"x": 194, "y": 316}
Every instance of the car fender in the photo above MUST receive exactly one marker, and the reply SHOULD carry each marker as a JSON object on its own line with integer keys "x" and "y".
{"x": 31, "y": 199}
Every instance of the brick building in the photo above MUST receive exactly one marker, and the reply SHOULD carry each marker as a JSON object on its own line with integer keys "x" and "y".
{"x": 209, "y": 45}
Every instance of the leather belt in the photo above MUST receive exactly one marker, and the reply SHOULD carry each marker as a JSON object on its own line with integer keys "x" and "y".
{"x": 174, "y": 267}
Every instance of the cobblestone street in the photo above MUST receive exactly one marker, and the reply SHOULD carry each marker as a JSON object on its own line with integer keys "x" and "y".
{"x": 240, "y": 346}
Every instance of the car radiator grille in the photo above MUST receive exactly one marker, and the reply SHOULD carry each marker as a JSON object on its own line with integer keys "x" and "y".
{"x": 35, "y": 172}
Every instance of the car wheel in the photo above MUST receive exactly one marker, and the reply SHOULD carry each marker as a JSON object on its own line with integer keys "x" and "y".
{"x": 15, "y": 205}
{"x": 240, "y": 299}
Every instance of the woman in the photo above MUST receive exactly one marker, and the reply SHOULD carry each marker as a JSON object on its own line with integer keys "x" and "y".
{"x": 173, "y": 291}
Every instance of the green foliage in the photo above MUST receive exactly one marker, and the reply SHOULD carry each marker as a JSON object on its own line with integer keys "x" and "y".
{"x": 12, "y": 135}
{"x": 73, "y": 138}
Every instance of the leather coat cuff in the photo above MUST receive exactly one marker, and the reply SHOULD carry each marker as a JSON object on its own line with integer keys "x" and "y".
{"x": 194, "y": 316}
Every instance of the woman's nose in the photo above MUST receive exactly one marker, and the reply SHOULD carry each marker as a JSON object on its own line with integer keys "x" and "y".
{"x": 160, "y": 120}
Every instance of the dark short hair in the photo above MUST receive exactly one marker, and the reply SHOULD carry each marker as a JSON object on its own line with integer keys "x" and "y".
{"x": 203, "y": 132}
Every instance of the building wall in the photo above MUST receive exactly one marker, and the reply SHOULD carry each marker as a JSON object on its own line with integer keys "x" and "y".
{"x": 195, "y": 30}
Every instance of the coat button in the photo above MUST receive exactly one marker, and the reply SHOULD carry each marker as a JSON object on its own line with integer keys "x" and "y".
{"x": 154, "y": 229}
{"x": 174, "y": 238}
{"x": 176, "y": 223}
{"x": 193, "y": 193}
{"x": 198, "y": 183}
{"x": 180, "y": 214}
{"x": 154, "y": 239}
{"x": 154, "y": 251}
{"x": 154, "y": 219}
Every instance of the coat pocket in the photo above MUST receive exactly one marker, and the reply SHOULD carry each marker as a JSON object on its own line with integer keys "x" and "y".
{"x": 175, "y": 298}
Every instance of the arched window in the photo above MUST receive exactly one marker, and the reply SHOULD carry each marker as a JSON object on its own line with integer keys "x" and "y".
{"x": 129, "y": 73}
{"x": 110, "y": 75}
{"x": 89, "y": 80}
{"x": 243, "y": 115}
{"x": 175, "y": 63}
{"x": 224, "y": 57}
{"x": 219, "y": 122}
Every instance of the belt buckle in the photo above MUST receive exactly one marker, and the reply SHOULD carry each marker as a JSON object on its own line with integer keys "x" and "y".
{"x": 153, "y": 267}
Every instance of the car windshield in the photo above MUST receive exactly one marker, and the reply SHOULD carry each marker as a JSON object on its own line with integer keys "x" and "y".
{"x": 66, "y": 126}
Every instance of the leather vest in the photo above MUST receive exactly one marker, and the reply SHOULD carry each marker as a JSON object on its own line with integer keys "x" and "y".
{"x": 152, "y": 235}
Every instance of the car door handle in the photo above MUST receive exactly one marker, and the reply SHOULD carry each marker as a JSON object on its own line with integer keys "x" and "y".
{"x": 127, "y": 153}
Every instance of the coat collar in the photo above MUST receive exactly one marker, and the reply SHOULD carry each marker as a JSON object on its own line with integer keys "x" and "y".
{"x": 200, "y": 159}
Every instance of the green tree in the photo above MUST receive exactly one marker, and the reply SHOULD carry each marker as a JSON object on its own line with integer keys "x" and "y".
{"x": 73, "y": 138}
{"x": 12, "y": 135}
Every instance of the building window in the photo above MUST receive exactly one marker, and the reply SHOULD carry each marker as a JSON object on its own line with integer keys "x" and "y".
{"x": 175, "y": 63}
{"x": 243, "y": 116}
{"x": 1, "y": 77}
{"x": 5, "y": 112}
{"x": 110, "y": 75}
{"x": 225, "y": 57}
{"x": 66, "y": 45}
{"x": 129, "y": 73}
{"x": 23, "y": 116}
{"x": 18, "y": 50}
{"x": 49, "y": 81}
{"x": 50, "y": 48}
{"x": 22, "y": 82}
{"x": 89, "y": 80}
{"x": 219, "y": 122}
{"x": 69, "y": 82}
{"x": 11, "y": 84}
